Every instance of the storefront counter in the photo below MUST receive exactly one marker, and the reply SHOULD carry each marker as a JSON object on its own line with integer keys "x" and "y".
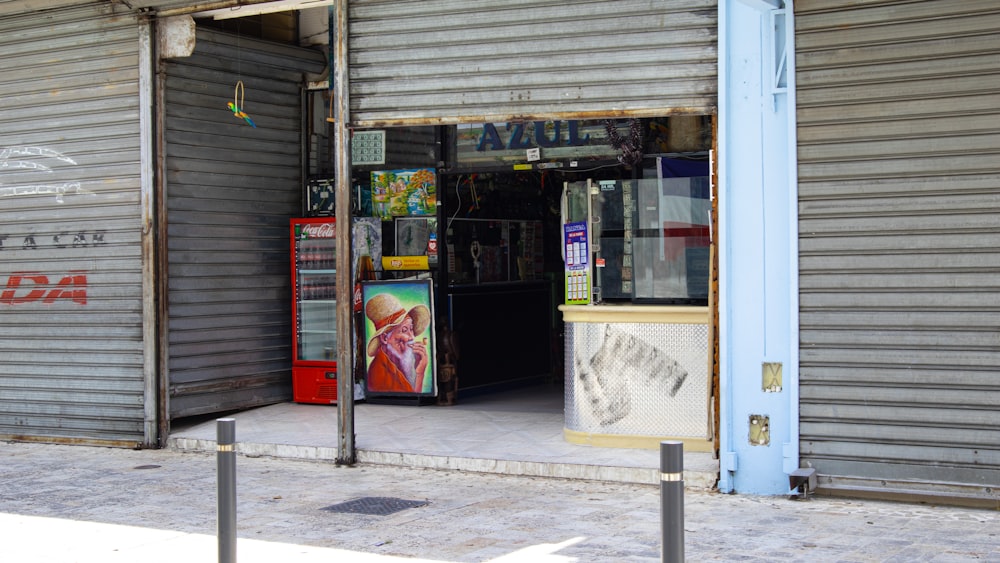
{"x": 637, "y": 375}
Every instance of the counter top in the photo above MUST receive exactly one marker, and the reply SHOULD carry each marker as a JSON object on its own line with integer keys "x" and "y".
{"x": 625, "y": 313}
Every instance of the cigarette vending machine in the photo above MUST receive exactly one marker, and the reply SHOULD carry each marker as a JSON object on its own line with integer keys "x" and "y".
{"x": 314, "y": 310}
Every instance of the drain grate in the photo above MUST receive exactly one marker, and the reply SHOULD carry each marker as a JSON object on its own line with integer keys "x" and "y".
{"x": 379, "y": 506}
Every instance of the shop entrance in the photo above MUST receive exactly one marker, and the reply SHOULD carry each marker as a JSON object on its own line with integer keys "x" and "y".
{"x": 496, "y": 186}
{"x": 502, "y": 277}
{"x": 487, "y": 238}
{"x": 486, "y": 226}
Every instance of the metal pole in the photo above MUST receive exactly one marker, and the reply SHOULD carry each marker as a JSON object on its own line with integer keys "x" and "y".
{"x": 226, "y": 467}
{"x": 672, "y": 500}
{"x": 346, "y": 453}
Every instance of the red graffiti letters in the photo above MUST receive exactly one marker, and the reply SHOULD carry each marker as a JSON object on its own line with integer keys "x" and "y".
{"x": 32, "y": 287}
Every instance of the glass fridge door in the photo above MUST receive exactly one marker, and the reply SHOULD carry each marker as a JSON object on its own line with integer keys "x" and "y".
{"x": 316, "y": 299}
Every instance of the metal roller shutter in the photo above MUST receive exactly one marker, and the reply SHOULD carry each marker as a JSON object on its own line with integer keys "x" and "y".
{"x": 71, "y": 336}
{"x": 899, "y": 206}
{"x": 230, "y": 191}
{"x": 455, "y": 61}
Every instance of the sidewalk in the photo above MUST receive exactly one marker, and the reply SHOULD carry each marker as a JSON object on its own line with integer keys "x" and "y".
{"x": 85, "y": 504}
{"x": 517, "y": 432}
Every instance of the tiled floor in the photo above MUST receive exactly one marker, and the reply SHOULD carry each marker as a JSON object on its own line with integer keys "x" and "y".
{"x": 517, "y": 432}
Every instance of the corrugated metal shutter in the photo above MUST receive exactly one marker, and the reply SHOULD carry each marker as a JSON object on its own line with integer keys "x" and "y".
{"x": 9, "y": 7}
{"x": 71, "y": 339}
{"x": 461, "y": 61}
{"x": 231, "y": 190}
{"x": 899, "y": 205}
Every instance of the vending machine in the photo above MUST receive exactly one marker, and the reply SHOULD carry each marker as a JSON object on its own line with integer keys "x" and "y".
{"x": 314, "y": 310}
{"x": 577, "y": 212}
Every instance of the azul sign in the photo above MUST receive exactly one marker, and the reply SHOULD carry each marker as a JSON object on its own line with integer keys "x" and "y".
{"x": 510, "y": 143}
{"x": 545, "y": 134}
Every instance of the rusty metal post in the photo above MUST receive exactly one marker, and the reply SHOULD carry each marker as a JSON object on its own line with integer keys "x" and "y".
{"x": 346, "y": 453}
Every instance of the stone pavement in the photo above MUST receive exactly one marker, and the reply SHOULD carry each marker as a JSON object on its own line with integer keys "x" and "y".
{"x": 85, "y": 504}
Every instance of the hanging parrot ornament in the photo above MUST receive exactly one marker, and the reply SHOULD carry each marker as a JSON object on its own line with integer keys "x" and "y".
{"x": 236, "y": 106}
{"x": 240, "y": 113}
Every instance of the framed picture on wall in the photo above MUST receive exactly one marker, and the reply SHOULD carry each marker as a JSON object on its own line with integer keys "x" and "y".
{"x": 397, "y": 193}
{"x": 399, "y": 335}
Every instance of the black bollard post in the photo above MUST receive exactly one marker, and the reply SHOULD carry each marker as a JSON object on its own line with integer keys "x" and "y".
{"x": 672, "y": 500}
{"x": 226, "y": 467}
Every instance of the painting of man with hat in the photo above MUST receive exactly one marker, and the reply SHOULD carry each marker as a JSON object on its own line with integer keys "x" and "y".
{"x": 399, "y": 356}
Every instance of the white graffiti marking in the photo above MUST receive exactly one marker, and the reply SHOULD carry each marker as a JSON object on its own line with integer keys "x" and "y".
{"x": 7, "y": 152}
{"x": 23, "y": 165}
{"x": 9, "y": 163}
{"x": 44, "y": 189}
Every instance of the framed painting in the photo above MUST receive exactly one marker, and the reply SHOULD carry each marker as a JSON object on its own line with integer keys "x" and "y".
{"x": 409, "y": 192}
{"x": 399, "y": 338}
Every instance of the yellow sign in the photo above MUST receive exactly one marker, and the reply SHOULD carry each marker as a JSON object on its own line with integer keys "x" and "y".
{"x": 405, "y": 263}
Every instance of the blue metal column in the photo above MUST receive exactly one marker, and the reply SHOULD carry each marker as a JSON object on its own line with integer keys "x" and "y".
{"x": 758, "y": 305}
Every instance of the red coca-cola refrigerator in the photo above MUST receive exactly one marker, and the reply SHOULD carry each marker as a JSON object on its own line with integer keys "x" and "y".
{"x": 314, "y": 310}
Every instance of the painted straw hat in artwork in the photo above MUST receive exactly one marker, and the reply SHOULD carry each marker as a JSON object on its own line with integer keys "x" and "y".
{"x": 386, "y": 312}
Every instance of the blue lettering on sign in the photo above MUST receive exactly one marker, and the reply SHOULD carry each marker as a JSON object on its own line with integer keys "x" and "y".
{"x": 518, "y": 139}
{"x": 574, "y": 135}
{"x": 544, "y": 141}
{"x": 491, "y": 136}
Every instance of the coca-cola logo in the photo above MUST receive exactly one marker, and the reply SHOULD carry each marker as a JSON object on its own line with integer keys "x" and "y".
{"x": 319, "y": 230}
{"x": 33, "y": 287}
{"x": 357, "y": 298}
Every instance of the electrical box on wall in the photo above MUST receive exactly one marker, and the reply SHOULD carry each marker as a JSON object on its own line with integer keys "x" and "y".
{"x": 320, "y": 199}
{"x": 771, "y": 377}
{"x": 367, "y": 147}
{"x": 760, "y": 430}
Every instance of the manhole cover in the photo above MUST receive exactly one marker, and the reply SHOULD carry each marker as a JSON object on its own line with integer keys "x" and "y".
{"x": 379, "y": 506}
